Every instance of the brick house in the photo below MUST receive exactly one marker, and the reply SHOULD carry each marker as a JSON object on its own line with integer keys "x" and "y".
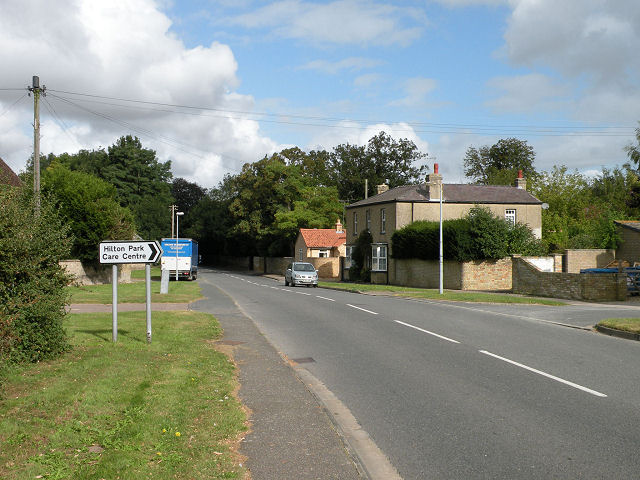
{"x": 8, "y": 176}
{"x": 390, "y": 210}
{"x": 320, "y": 243}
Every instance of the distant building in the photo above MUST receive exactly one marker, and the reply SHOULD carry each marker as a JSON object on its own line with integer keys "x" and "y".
{"x": 8, "y": 176}
{"x": 390, "y": 210}
{"x": 629, "y": 248}
{"x": 320, "y": 243}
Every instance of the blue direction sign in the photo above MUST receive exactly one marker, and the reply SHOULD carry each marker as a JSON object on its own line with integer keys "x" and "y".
{"x": 144, "y": 251}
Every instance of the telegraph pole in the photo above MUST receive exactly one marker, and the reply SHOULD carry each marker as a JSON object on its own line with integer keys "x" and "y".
{"x": 35, "y": 88}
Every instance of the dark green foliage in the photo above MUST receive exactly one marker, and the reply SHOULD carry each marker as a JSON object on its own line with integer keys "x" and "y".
{"x": 360, "y": 269}
{"x": 478, "y": 236}
{"x": 499, "y": 164}
{"x": 89, "y": 207}
{"x": 32, "y": 295}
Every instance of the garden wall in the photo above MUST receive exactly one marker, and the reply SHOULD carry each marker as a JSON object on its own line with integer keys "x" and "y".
{"x": 89, "y": 275}
{"x": 575, "y": 260}
{"x": 529, "y": 280}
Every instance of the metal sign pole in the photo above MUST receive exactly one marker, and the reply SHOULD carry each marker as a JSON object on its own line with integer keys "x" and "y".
{"x": 114, "y": 301}
{"x": 147, "y": 275}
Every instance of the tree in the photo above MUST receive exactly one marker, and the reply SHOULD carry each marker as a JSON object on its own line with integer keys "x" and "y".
{"x": 186, "y": 194}
{"x": 32, "y": 282}
{"x": 90, "y": 208}
{"x": 382, "y": 160}
{"x": 633, "y": 151}
{"x": 500, "y": 163}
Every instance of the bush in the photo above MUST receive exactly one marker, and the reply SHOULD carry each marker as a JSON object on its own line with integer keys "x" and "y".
{"x": 32, "y": 295}
{"x": 360, "y": 258}
{"x": 478, "y": 236}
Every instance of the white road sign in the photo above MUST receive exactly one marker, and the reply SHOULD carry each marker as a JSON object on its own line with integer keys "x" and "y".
{"x": 129, "y": 251}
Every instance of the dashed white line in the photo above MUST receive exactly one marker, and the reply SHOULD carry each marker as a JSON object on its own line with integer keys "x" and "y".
{"x": 325, "y": 298}
{"x": 303, "y": 293}
{"x": 545, "y": 374}
{"x": 363, "y": 309}
{"x": 427, "y": 331}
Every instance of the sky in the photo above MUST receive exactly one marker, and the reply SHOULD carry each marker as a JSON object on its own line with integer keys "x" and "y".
{"x": 213, "y": 84}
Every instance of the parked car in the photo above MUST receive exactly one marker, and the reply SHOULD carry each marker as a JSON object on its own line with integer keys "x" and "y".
{"x": 301, "y": 273}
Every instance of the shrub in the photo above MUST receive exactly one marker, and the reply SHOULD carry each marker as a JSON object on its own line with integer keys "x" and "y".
{"x": 361, "y": 257}
{"x": 32, "y": 295}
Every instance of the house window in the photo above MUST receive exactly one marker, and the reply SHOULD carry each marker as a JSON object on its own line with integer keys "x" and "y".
{"x": 300, "y": 255}
{"x": 383, "y": 221}
{"x": 323, "y": 253}
{"x": 379, "y": 257}
{"x": 368, "y": 216}
{"x": 347, "y": 258}
{"x": 355, "y": 224}
{"x": 510, "y": 216}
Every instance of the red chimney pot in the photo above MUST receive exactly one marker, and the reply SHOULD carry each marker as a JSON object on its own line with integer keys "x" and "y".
{"x": 519, "y": 173}
{"x": 435, "y": 168}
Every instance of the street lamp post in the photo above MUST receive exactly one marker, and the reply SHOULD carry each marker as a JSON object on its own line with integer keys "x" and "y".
{"x": 178, "y": 215}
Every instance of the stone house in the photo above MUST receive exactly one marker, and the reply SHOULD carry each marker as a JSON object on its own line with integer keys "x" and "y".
{"x": 392, "y": 209}
{"x": 629, "y": 248}
{"x": 320, "y": 243}
{"x": 8, "y": 176}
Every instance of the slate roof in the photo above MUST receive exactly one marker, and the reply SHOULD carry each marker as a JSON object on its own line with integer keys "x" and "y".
{"x": 8, "y": 176}
{"x": 323, "y": 237}
{"x": 454, "y": 193}
{"x": 632, "y": 224}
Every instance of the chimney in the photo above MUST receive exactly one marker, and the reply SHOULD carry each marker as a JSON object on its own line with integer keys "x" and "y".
{"x": 521, "y": 182}
{"x": 382, "y": 188}
{"x": 339, "y": 226}
{"x": 434, "y": 184}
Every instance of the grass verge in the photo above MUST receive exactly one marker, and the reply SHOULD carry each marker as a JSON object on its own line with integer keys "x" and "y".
{"x": 625, "y": 324}
{"x": 450, "y": 295}
{"x": 127, "y": 410}
{"x": 179, "y": 292}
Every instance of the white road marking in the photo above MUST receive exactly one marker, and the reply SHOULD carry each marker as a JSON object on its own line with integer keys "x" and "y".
{"x": 363, "y": 309}
{"x": 544, "y": 374}
{"x": 325, "y": 298}
{"x": 303, "y": 293}
{"x": 427, "y": 331}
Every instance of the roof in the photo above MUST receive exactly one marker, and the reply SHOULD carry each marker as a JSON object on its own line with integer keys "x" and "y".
{"x": 454, "y": 193}
{"x": 632, "y": 224}
{"x": 323, "y": 237}
{"x": 8, "y": 176}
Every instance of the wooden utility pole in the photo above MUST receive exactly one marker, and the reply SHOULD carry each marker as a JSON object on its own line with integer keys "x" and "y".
{"x": 173, "y": 216}
{"x": 35, "y": 88}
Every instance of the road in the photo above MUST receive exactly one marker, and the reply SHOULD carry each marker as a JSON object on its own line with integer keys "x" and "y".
{"x": 455, "y": 390}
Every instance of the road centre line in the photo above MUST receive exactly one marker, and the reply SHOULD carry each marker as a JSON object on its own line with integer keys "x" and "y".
{"x": 363, "y": 309}
{"x": 427, "y": 331}
{"x": 544, "y": 374}
{"x": 303, "y": 293}
{"x": 325, "y": 298}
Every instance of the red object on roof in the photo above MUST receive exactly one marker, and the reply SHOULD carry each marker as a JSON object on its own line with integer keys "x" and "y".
{"x": 323, "y": 237}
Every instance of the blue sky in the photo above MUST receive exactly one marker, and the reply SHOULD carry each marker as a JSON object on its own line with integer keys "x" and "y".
{"x": 227, "y": 82}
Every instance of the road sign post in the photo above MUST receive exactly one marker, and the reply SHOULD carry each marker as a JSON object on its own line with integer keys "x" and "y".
{"x": 119, "y": 252}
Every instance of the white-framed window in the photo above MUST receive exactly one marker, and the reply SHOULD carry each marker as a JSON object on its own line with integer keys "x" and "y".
{"x": 300, "y": 255}
{"x": 368, "y": 217}
{"x": 383, "y": 221}
{"x": 355, "y": 224}
{"x": 347, "y": 258}
{"x": 323, "y": 253}
{"x": 510, "y": 216}
{"x": 379, "y": 257}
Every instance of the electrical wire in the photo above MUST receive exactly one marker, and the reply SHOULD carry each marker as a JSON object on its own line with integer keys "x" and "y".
{"x": 12, "y": 105}
{"x": 59, "y": 121}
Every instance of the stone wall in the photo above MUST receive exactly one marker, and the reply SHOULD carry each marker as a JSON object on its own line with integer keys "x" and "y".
{"x": 327, "y": 267}
{"x": 528, "y": 280}
{"x": 88, "y": 275}
{"x": 575, "y": 260}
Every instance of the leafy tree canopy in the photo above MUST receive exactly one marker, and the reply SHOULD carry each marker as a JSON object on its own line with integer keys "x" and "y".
{"x": 499, "y": 163}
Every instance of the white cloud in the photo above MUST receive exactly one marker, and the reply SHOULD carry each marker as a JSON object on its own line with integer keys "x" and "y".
{"x": 123, "y": 49}
{"x": 359, "y": 22}
{"x": 531, "y": 92}
{"x": 416, "y": 90}
{"x": 333, "y": 68}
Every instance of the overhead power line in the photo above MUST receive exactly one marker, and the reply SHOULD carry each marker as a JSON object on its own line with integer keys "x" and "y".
{"x": 335, "y": 122}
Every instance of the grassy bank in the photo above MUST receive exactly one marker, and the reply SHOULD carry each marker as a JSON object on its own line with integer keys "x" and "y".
{"x": 127, "y": 410}
{"x": 451, "y": 295}
{"x": 625, "y": 324}
{"x": 179, "y": 292}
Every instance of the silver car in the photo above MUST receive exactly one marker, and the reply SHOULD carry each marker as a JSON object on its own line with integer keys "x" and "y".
{"x": 301, "y": 273}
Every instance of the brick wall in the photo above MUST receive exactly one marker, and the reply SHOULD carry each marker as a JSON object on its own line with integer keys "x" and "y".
{"x": 575, "y": 260}
{"x": 487, "y": 275}
{"x": 85, "y": 275}
{"x": 528, "y": 280}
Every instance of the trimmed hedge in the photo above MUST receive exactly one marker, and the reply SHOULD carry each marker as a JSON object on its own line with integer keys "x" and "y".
{"x": 32, "y": 294}
{"x": 478, "y": 236}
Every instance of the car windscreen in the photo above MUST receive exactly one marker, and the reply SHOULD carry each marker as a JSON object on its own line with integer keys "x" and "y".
{"x": 304, "y": 267}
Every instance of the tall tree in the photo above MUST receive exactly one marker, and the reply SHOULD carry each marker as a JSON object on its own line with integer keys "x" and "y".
{"x": 382, "y": 160}
{"x": 499, "y": 163}
{"x": 186, "y": 194}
